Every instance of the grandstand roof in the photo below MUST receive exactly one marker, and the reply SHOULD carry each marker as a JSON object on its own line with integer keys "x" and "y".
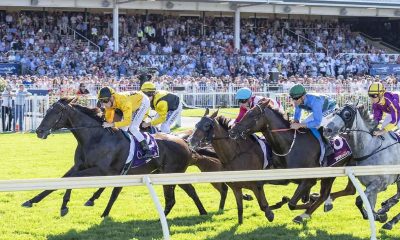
{"x": 373, "y": 8}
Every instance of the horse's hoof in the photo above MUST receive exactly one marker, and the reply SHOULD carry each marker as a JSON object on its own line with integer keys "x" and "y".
{"x": 247, "y": 197}
{"x": 89, "y": 203}
{"x": 27, "y": 204}
{"x": 269, "y": 215}
{"x": 382, "y": 211}
{"x": 387, "y": 226}
{"x": 382, "y": 218}
{"x": 314, "y": 196}
{"x": 64, "y": 212}
{"x": 285, "y": 200}
{"x": 328, "y": 207}
{"x": 298, "y": 220}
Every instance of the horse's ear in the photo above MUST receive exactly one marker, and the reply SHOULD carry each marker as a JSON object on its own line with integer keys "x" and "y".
{"x": 265, "y": 102}
{"x": 214, "y": 114}
{"x": 207, "y": 112}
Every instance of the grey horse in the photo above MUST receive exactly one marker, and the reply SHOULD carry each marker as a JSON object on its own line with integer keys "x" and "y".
{"x": 367, "y": 150}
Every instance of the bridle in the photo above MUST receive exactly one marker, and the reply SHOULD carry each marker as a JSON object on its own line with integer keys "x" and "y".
{"x": 208, "y": 127}
{"x": 255, "y": 118}
{"x": 349, "y": 114}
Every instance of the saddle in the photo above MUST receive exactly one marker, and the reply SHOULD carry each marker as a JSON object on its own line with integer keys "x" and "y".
{"x": 134, "y": 159}
{"x": 341, "y": 151}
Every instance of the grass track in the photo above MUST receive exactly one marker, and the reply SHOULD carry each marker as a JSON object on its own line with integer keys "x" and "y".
{"x": 134, "y": 216}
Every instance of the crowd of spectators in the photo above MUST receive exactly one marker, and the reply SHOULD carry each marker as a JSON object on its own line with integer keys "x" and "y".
{"x": 182, "y": 46}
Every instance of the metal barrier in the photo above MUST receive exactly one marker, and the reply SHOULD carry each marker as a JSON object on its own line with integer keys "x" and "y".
{"x": 203, "y": 177}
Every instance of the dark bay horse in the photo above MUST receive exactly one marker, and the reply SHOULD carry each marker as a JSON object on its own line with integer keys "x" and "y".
{"x": 103, "y": 152}
{"x": 293, "y": 149}
{"x": 234, "y": 155}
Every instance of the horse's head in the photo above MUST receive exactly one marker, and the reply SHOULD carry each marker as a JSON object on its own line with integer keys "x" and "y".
{"x": 55, "y": 118}
{"x": 204, "y": 130}
{"x": 253, "y": 121}
{"x": 342, "y": 120}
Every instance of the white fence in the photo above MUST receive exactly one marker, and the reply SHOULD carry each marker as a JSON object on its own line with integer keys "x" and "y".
{"x": 204, "y": 177}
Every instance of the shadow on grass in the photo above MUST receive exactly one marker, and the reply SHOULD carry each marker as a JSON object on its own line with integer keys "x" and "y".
{"x": 151, "y": 229}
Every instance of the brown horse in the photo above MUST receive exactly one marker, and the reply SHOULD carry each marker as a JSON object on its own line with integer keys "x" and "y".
{"x": 102, "y": 152}
{"x": 234, "y": 155}
{"x": 293, "y": 149}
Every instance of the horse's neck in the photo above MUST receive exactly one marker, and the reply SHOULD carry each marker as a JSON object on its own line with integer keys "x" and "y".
{"x": 361, "y": 142}
{"x": 223, "y": 147}
{"x": 80, "y": 120}
{"x": 279, "y": 141}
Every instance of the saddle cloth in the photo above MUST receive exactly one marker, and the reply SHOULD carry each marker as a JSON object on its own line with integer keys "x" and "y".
{"x": 265, "y": 148}
{"x": 341, "y": 151}
{"x": 135, "y": 151}
{"x": 395, "y": 135}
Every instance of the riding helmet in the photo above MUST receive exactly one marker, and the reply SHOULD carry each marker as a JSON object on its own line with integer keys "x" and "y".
{"x": 376, "y": 88}
{"x": 243, "y": 94}
{"x": 105, "y": 93}
{"x": 297, "y": 91}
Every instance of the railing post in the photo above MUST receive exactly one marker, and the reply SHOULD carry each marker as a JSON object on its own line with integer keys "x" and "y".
{"x": 350, "y": 173}
{"x": 160, "y": 210}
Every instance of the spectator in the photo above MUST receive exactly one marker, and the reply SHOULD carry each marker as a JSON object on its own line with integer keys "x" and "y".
{"x": 20, "y": 99}
{"x": 82, "y": 90}
{"x": 6, "y": 109}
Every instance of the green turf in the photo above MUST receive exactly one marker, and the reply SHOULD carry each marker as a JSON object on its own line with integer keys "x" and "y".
{"x": 134, "y": 215}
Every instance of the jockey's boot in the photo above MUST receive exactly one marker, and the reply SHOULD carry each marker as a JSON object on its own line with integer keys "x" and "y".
{"x": 146, "y": 150}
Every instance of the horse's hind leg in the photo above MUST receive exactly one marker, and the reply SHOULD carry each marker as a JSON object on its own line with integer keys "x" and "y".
{"x": 169, "y": 195}
{"x": 114, "y": 195}
{"x": 262, "y": 201}
{"x": 189, "y": 189}
{"x": 45, "y": 193}
{"x": 326, "y": 186}
{"x": 389, "y": 225}
{"x": 349, "y": 190}
{"x": 95, "y": 196}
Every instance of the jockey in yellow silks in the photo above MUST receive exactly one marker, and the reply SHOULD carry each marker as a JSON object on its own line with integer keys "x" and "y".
{"x": 167, "y": 105}
{"x": 134, "y": 106}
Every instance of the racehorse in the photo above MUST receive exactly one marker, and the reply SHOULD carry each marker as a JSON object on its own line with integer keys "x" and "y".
{"x": 368, "y": 150}
{"x": 293, "y": 149}
{"x": 234, "y": 155}
{"x": 102, "y": 152}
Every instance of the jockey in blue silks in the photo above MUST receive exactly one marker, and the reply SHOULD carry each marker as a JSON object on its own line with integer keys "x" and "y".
{"x": 320, "y": 107}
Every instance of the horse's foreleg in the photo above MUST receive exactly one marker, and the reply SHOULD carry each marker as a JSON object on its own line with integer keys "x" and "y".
{"x": 66, "y": 198}
{"x": 326, "y": 186}
{"x": 388, "y": 204}
{"x": 189, "y": 189}
{"x": 262, "y": 202}
{"x": 371, "y": 192}
{"x": 239, "y": 202}
{"x": 303, "y": 188}
{"x": 169, "y": 195}
{"x": 114, "y": 195}
{"x": 95, "y": 196}
{"x": 45, "y": 193}
{"x": 389, "y": 225}
{"x": 349, "y": 190}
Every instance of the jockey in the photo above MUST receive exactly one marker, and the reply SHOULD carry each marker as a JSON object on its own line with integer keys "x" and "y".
{"x": 132, "y": 103}
{"x": 320, "y": 107}
{"x": 167, "y": 105}
{"x": 384, "y": 102}
{"x": 248, "y": 101}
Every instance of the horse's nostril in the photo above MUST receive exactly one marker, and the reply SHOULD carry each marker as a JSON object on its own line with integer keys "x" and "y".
{"x": 329, "y": 130}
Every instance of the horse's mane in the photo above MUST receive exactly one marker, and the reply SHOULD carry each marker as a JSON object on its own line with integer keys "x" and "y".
{"x": 224, "y": 122}
{"x": 94, "y": 113}
{"x": 276, "y": 111}
{"x": 368, "y": 120}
